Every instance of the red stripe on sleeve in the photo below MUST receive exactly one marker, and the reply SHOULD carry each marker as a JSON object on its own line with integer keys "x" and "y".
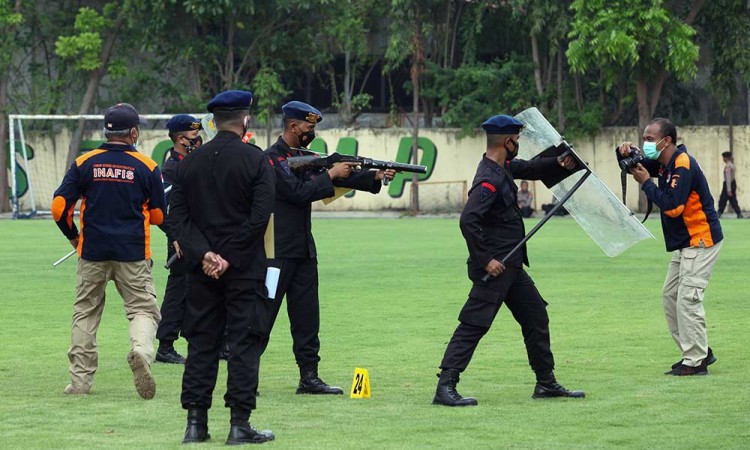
{"x": 489, "y": 186}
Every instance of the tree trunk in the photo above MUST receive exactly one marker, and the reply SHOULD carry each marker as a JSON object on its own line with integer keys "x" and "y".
{"x": 644, "y": 116}
{"x": 269, "y": 127}
{"x": 4, "y": 180}
{"x": 560, "y": 106}
{"x": 93, "y": 86}
{"x": 347, "y": 104}
{"x": 5, "y": 205}
{"x": 415, "y": 73}
{"x": 456, "y": 23}
{"x": 308, "y": 86}
{"x": 427, "y": 107}
{"x": 537, "y": 66}
{"x": 229, "y": 75}
{"x": 731, "y": 132}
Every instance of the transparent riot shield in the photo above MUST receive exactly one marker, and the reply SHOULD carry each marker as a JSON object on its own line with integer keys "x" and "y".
{"x": 596, "y": 209}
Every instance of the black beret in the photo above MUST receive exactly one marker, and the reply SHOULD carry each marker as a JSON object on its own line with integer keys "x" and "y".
{"x": 302, "y": 111}
{"x": 502, "y": 124}
{"x": 183, "y": 122}
{"x": 231, "y": 100}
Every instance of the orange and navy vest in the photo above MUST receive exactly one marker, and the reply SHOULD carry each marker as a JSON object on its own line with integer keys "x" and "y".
{"x": 121, "y": 196}
{"x": 688, "y": 216}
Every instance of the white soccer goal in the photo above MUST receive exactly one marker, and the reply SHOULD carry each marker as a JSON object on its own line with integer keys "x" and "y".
{"x": 34, "y": 177}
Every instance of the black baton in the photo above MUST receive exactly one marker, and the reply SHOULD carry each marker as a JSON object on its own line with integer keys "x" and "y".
{"x": 170, "y": 261}
{"x": 544, "y": 220}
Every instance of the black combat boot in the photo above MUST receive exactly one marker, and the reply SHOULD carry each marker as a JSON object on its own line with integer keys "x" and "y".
{"x": 310, "y": 383}
{"x": 446, "y": 393}
{"x": 197, "y": 426}
{"x": 240, "y": 431}
{"x": 548, "y": 387}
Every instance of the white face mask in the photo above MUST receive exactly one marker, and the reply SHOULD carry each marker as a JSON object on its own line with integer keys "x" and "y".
{"x": 137, "y": 140}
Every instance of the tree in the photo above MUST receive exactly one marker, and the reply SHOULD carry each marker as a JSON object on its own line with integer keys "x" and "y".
{"x": 642, "y": 40}
{"x": 270, "y": 91}
{"x": 730, "y": 47}
{"x": 10, "y": 19}
{"x": 349, "y": 23}
{"x": 409, "y": 26}
{"x": 91, "y": 49}
{"x": 549, "y": 24}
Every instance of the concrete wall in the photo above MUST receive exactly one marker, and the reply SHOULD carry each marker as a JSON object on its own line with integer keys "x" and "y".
{"x": 453, "y": 169}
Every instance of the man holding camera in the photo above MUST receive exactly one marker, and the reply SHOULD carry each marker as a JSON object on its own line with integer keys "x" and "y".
{"x": 691, "y": 231}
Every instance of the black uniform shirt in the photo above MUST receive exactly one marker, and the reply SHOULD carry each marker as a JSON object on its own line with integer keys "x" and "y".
{"x": 169, "y": 172}
{"x": 296, "y": 190}
{"x": 221, "y": 200}
{"x": 491, "y": 222}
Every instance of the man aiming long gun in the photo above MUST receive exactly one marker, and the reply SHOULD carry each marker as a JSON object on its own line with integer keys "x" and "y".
{"x": 363, "y": 163}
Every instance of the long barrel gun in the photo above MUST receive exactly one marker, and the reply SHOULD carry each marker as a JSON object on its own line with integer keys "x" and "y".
{"x": 326, "y": 162}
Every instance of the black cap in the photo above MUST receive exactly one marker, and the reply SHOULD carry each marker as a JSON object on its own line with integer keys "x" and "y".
{"x": 122, "y": 116}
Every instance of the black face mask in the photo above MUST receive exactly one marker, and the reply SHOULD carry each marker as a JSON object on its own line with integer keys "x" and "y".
{"x": 306, "y": 138}
{"x": 193, "y": 144}
{"x": 514, "y": 153}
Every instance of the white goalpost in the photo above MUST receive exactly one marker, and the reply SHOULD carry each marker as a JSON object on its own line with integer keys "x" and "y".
{"x": 43, "y": 172}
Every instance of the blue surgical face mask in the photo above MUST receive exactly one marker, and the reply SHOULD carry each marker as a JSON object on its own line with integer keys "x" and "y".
{"x": 650, "y": 151}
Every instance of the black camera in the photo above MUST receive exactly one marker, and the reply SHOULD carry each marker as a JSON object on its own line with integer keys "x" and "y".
{"x": 631, "y": 161}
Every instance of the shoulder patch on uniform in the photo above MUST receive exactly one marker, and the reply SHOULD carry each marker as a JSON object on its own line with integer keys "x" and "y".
{"x": 81, "y": 159}
{"x": 284, "y": 166}
{"x": 682, "y": 160}
{"x": 148, "y": 162}
{"x": 486, "y": 190}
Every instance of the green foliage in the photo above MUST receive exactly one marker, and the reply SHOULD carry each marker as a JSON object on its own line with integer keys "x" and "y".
{"x": 634, "y": 35}
{"x": 270, "y": 91}
{"x": 86, "y": 46}
{"x": 585, "y": 122}
{"x": 472, "y": 93}
{"x": 8, "y": 44}
{"x": 8, "y": 16}
{"x": 178, "y": 53}
{"x": 730, "y": 46}
{"x": 405, "y": 15}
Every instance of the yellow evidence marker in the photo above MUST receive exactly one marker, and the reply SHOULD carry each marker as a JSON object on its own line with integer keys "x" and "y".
{"x": 360, "y": 384}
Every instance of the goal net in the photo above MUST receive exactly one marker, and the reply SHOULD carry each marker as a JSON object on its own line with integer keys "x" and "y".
{"x": 38, "y": 151}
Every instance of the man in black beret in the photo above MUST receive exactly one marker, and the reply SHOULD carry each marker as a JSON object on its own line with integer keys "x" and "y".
{"x": 184, "y": 131}
{"x": 492, "y": 226}
{"x": 296, "y": 255}
{"x": 220, "y": 205}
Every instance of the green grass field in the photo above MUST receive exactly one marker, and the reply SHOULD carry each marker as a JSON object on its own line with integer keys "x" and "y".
{"x": 390, "y": 294}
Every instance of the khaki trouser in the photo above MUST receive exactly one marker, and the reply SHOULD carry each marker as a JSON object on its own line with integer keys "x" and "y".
{"x": 135, "y": 284}
{"x": 687, "y": 278}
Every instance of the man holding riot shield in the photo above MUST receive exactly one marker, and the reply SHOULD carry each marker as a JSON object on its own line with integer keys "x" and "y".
{"x": 493, "y": 228}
